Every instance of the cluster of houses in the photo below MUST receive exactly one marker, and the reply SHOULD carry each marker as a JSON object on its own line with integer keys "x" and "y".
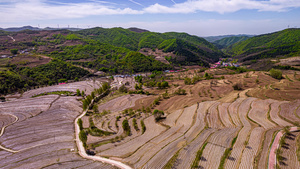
{"x": 224, "y": 63}
{"x": 6, "y": 56}
{"x": 25, "y": 51}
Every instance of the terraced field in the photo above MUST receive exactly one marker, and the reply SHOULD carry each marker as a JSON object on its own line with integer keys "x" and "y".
{"x": 39, "y": 132}
{"x": 209, "y": 134}
{"x": 235, "y": 131}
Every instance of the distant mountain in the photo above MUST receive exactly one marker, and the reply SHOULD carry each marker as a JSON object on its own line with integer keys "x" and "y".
{"x": 282, "y": 43}
{"x": 138, "y": 30}
{"x": 17, "y": 29}
{"x": 216, "y": 38}
{"x": 225, "y": 42}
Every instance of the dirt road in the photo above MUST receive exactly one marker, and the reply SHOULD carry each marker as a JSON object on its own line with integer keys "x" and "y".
{"x": 83, "y": 153}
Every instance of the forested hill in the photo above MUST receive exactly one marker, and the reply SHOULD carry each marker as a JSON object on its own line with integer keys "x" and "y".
{"x": 113, "y": 51}
{"x": 195, "y": 50}
{"x": 225, "y": 42}
{"x": 282, "y": 43}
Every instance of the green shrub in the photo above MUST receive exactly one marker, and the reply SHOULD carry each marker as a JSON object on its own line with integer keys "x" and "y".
{"x": 78, "y": 92}
{"x": 143, "y": 126}
{"x": 180, "y": 92}
{"x": 275, "y": 73}
{"x": 158, "y": 114}
{"x": 126, "y": 127}
{"x": 135, "y": 125}
{"x": 79, "y": 122}
{"x": 187, "y": 81}
{"x": 123, "y": 89}
{"x": 82, "y": 136}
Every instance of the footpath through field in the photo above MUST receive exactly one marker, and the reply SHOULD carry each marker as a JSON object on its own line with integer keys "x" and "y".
{"x": 275, "y": 145}
{"x": 83, "y": 153}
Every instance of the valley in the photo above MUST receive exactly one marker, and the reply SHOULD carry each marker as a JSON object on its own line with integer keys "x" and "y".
{"x": 130, "y": 98}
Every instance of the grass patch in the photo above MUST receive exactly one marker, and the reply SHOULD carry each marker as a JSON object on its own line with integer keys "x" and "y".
{"x": 111, "y": 97}
{"x": 143, "y": 126}
{"x": 172, "y": 161}
{"x": 68, "y": 93}
{"x": 298, "y": 148}
{"x": 100, "y": 144}
{"x": 135, "y": 125}
{"x": 227, "y": 153}
{"x": 94, "y": 131}
{"x": 198, "y": 156}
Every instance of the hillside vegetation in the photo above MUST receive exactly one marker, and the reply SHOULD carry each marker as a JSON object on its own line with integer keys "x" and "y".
{"x": 190, "y": 49}
{"x": 225, "y": 42}
{"x": 282, "y": 43}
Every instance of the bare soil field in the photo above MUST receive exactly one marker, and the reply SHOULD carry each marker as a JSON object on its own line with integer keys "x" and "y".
{"x": 86, "y": 86}
{"x": 43, "y": 135}
{"x": 210, "y": 126}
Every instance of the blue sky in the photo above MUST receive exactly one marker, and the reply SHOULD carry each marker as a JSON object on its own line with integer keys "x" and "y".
{"x": 197, "y": 17}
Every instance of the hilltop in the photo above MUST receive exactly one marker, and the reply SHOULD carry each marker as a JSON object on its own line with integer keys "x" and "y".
{"x": 282, "y": 43}
{"x": 110, "y": 51}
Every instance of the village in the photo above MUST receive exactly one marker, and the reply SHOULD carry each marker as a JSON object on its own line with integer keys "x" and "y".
{"x": 225, "y": 62}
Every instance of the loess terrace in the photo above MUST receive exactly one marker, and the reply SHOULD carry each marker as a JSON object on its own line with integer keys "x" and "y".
{"x": 210, "y": 125}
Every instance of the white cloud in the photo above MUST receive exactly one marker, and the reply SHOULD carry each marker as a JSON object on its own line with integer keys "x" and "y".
{"x": 28, "y": 10}
{"x": 38, "y": 9}
{"x": 223, "y": 6}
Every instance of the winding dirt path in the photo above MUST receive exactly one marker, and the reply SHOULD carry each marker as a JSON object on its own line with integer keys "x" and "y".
{"x": 83, "y": 153}
{"x": 12, "y": 38}
{"x": 2, "y": 131}
{"x": 275, "y": 145}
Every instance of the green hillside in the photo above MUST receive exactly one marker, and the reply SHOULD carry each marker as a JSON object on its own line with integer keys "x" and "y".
{"x": 225, "y": 42}
{"x": 193, "y": 49}
{"x": 282, "y": 43}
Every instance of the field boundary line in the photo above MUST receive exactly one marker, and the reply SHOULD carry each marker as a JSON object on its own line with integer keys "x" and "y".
{"x": 2, "y": 132}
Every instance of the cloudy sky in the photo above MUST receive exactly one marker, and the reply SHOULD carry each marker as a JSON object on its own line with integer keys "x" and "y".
{"x": 197, "y": 17}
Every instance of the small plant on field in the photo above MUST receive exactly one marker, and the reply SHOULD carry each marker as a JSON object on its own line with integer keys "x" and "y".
{"x": 199, "y": 93}
{"x": 78, "y": 93}
{"x": 237, "y": 86}
{"x": 156, "y": 101}
{"x": 187, "y": 81}
{"x": 166, "y": 95}
{"x": 198, "y": 156}
{"x": 257, "y": 80}
{"x": 135, "y": 125}
{"x": 143, "y": 126}
{"x": 180, "y": 92}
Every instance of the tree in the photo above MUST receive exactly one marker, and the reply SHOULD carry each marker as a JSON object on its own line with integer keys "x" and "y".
{"x": 14, "y": 51}
{"x": 275, "y": 73}
{"x": 164, "y": 84}
{"x": 158, "y": 114}
{"x": 123, "y": 89}
{"x": 126, "y": 127}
